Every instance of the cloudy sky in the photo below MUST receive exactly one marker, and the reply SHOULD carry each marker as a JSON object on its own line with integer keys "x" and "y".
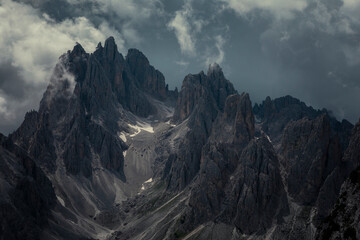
{"x": 309, "y": 49}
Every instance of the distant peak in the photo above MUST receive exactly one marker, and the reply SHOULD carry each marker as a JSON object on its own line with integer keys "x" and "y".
{"x": 99, "y": 45}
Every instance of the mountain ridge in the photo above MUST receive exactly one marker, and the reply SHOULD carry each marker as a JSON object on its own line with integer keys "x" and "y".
{"x": 130, "y": 159}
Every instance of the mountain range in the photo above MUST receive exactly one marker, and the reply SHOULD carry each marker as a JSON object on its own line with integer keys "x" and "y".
{"x": 112, "y": 153}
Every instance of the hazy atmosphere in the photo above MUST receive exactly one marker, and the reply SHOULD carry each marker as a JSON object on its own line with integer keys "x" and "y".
{"x": 309, "y": 49}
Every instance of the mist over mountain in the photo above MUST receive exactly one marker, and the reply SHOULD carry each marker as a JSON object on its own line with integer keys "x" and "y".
{"x": 113, "y": 153}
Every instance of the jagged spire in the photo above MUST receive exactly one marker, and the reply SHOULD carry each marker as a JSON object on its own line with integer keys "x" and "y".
{"x": 78, "y": 50}
{"x": 110, "y": 47}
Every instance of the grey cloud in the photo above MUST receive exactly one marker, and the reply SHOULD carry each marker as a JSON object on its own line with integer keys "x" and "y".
{"x": 16, "y": 97}
{"x": 307, "y": 48}
{"x": 11, "y": 83}
{"x": 219, "y": 56}
{"x": 316, "y": 52}
{"x": 279, "y": 8}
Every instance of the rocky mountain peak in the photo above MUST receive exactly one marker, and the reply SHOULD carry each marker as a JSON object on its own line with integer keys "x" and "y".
{"x": 103, "y": 137}
{"x": 213, "y": 69}
{"x": 77, "y": 51}
{"x": 213, "y": 87}
{"x": 244, "y": 121}
{"x": 84, "y": 91}
{"x": 110, "y": 48}
{"x": 147, "y": 77}
{"x": 135, "y": 55}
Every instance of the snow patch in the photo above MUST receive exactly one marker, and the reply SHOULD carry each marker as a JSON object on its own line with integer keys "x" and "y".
{"x": 124, "y": 153}
{"x": 146, "y": 183}
{"x": 149, "y": 180}
{"x": 169, "y": 123}
{"x": 123, "y": 137}
{"x": 268, "y": 138}
{"x": 141, "y": 127}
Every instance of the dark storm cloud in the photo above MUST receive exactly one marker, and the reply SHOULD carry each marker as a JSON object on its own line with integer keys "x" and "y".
{"x": 11, "y": 83}
{"x": 319, "y": 48}
{"x": 307, "y": 48}
{"x": 14, "y": 92}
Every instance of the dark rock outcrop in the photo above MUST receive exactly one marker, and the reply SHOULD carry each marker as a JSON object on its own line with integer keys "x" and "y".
{"x": 78, "y": 116}
{"x": 257, "y": 190}
{"x": 274, "y": 115}
{"x": 310, "y": 154}
{"x": 343, "y": 222}
{"x": 26, "y": 194}
{"x": 239, "y": 179}
{"x": 220, "y": 157}
{"x": 200, "y": 100}
{"x": 331, "y": 188}
{"x": 194, "y": 87}
{"x": 148, "y": 78}
{"x": 273, "y": 169}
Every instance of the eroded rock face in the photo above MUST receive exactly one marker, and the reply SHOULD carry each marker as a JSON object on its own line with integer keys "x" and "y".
{"x": 244, "y": 121}
{"x": 257, "y": 190}
{"x": 343, "y": 221}
{"x": 78, "y": 116}
{"x": 236, "y": 124}
{"x": 331, "y": 188}
{"x": 109, "y": 76}
{"x": 146, "y": 75}
{"x": 239, "y": 181}
{"x": 352, "y": 153}
{"x": 313, "y": 159}
{"x": 220, "y": 157}
{"x": 191, "y": 91}
{"x": 34, "y": 135}
{"x": 26, "y": 194}
{"x": 310, "y": 154}
{"x": 200, "y": 100}
{"x": 276, "y": 114}
{"x": 199, "y": 86}
{"x": 215, "y": 164}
